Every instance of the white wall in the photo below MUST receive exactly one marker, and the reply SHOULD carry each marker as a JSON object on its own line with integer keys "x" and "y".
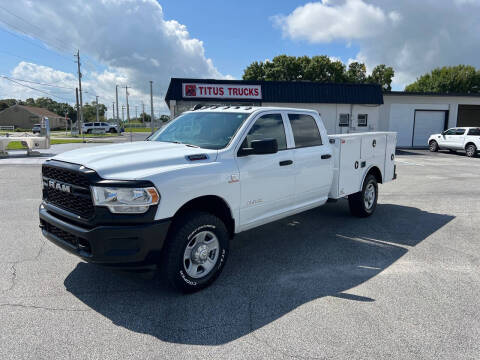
{"x": 330, "y": 115}
{"x": 397, "y": 113}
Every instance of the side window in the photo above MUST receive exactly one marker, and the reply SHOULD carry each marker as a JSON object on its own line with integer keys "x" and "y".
{"x": 305, "y": 130}
{"x": 96, "y": 124}
{"x": 267, "y": 127}
{"x": 344, "y": 120}
{"x": 362, "y": 119}
{"x": 474, "y": 131}
{"x": 104, "y": 124}
{"x": 460, "y": 132}
{"x": 450, "y": 132}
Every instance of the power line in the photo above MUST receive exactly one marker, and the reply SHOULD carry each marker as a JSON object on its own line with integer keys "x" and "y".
{"x": 59, "y": 41}
{"x": 30, "y": 87}
{"x": 44, "y": 84}
{"x": 33, "y": 43}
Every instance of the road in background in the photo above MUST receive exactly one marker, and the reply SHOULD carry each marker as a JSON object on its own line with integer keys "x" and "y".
{"x": 403, "y": 284}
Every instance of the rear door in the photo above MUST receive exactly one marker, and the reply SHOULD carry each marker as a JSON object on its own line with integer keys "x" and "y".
{"x": 458, "y": 139}
{"x": 266, "y": 181}
{"x": 313, "y": 160}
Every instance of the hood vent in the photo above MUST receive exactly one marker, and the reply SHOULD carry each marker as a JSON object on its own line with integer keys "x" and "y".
{"x": 197, "y": 157}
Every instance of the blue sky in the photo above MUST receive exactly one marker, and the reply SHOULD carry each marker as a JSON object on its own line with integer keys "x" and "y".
{"x": 130, "y": 42}
{"x": 235, "y": 33}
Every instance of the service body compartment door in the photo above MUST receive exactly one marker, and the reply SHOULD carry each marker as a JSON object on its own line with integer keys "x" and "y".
{"x": 390, "y": 157}
{"x": 373, "y": 151}
{"x": 346, "y": 166}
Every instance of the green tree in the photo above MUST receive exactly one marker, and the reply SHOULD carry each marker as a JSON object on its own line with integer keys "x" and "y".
{"x": 254, "y": 71}
{"x": 90, "y": 112}
{"x": 382, "y": 75}
{"x": 448, "y": 79}
{"x": 317, "y": 68}
{"x": 357, "y": 72}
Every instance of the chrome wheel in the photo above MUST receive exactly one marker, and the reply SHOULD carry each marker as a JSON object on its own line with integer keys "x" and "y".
{"x": 369, "y": 196}
{"x": 201, "y": 254}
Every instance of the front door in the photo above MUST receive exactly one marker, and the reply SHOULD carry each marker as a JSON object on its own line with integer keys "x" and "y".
{"x": 266, "y": 181}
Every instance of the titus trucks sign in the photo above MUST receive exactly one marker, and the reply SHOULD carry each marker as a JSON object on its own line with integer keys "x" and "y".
{"x": 221, "y": 91}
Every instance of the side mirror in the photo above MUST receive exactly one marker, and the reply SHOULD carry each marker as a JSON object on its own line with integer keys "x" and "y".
{"x": 260, "y": 147}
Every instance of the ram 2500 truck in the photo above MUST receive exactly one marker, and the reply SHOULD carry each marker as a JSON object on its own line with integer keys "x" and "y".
{"x": 175, "y": 200}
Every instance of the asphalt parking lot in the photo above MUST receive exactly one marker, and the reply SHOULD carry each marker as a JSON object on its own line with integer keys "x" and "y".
{"x": 403, "y": 284}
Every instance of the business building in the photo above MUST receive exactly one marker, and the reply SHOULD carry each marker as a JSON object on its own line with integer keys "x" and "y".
{"x": 345, "y": 108}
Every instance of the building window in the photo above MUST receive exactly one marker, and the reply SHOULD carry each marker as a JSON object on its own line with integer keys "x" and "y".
{"x": 344, "y": 120}
{"x": 362, "y": 119}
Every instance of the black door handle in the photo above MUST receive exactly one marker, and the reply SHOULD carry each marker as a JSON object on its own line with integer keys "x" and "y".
{"x": 285, "y": 162}
{"x": 326, "y": 156}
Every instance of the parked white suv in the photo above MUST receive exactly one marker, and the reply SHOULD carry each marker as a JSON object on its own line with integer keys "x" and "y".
{"x": 89, "y": 127}
{"x": 177, "y": 199}
{"x": 460, "y": 138}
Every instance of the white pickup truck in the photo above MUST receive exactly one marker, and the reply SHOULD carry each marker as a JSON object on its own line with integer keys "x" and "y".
{"x": 460, "y": 138}
{"x": 175, "y": 200}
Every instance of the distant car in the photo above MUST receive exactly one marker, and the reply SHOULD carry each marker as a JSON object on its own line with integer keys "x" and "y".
{"x": 460, "y": 138}
{"x": 36, "y": 128}
{"x": 88, "y": 128}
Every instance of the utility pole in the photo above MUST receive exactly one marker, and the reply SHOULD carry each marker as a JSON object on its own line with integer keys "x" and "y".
{"x": 113, "y": 111}
{"x": 78, "y": 108}
{"x": 128, "y": 112}
{"x": 116, "y": 99}
{"x": 96, "y": 105}
{"x": 136, "y": 117}
{"x": 151, "y": 107}
{"x": 123, "y": 114}
{"x": 80, "y": 91}
{"x": 143, "y": 112}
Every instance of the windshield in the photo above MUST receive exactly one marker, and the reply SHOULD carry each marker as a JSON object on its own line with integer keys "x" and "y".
{"x": 209, "y": 130}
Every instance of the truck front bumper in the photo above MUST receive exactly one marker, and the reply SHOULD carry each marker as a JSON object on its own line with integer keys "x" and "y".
{"x": 125, "y": 246}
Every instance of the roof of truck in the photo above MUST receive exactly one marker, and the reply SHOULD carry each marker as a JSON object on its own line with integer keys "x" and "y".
{"x": 246, "y": 109}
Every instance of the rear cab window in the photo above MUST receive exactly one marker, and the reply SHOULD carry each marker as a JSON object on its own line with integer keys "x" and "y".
{"x": 305, "y": 130}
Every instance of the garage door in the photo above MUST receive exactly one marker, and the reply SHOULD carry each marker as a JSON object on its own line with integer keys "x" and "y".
{"x": 468, "y": 115}
{"x": 425, "y": 124}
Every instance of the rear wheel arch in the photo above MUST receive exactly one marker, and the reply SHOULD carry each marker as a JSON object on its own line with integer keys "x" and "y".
{"x": 375, "y": 171}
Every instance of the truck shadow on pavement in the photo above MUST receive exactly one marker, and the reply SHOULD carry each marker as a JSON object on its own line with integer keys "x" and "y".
{"x": 271, "y": 271}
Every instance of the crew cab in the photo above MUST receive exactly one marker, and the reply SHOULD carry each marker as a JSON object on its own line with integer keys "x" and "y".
{"x": 460, "y": 138}
{"x": 91, "y": 127}
{"x": 175, "y": 200}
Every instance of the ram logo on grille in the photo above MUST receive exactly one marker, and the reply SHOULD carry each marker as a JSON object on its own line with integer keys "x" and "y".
{"x": 59, "y": 186}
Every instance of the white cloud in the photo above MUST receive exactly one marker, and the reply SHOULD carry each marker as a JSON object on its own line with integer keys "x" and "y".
{"x": 131, "y": 38}
{"x": 412, "y": 36}
{"x": 325, "y": 22}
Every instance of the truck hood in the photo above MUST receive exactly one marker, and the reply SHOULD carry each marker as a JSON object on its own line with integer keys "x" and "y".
{"x": 136, "y": 160}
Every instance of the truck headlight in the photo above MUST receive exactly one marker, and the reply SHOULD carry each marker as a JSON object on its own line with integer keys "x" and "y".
{"x": 124, "y": 200}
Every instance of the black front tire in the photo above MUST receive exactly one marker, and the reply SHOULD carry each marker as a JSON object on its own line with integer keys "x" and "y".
{"x": 359, "y": 203}
{"x": 183, "y": 231}
{"x": 433, "y": 146}
{"x": 471, "y": 150}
